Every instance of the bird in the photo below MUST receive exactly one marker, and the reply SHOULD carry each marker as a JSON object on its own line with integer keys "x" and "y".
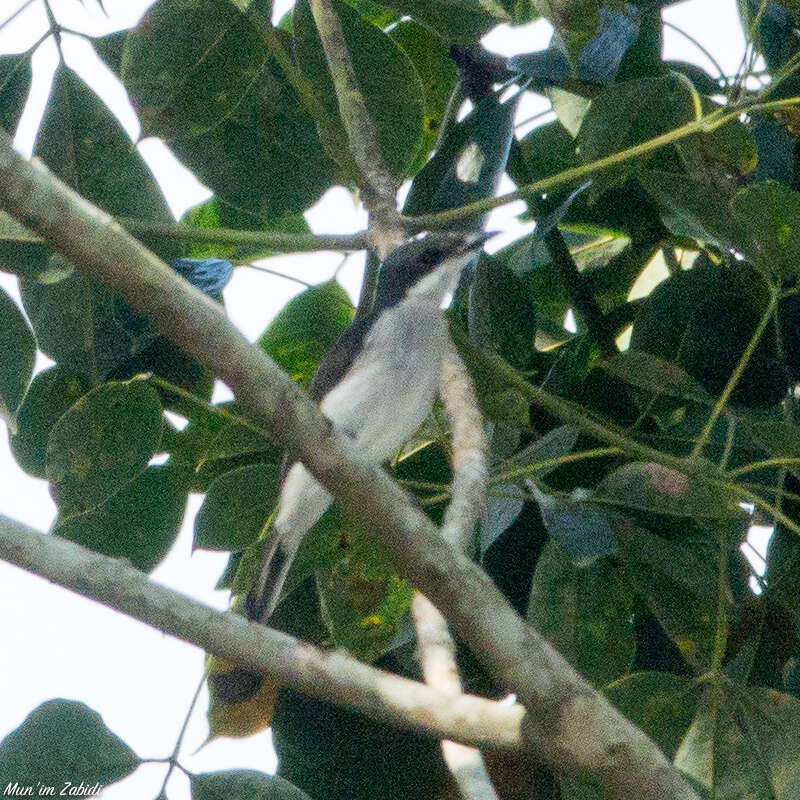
{"x": 377, "y": 384}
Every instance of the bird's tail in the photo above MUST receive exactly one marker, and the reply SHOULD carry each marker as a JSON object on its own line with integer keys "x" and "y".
{"x": 266, "y": 591}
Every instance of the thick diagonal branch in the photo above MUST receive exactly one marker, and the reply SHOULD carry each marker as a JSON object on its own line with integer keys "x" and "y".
{"x": 329, "y": 675}
{"x": 572, "y": 728}
{"x": 378, "y": 187}
{"x": 436, "y": 646}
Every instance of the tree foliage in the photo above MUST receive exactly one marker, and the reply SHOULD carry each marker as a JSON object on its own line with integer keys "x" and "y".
{"x": 614, "y": 517}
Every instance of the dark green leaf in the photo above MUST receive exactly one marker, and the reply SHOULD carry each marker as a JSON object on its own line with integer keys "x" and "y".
{"x": 658, "y": 489}
{"x": 554, "y": 444}
{"x": 501, "y": 315}
{"x": 392, "y": 90}
{"x": 104, "y": 441}
{"x": 139, "y": 523}
{"x": 17, "y": 354}
{"x": 662, "y": 705}
{"x": 306, "y": 328}
{"x": 51, "y": 393}
{"x": 583, "y": 530}
{"x": 776, "y": 161}
{"x": 769, "y": 214}
{"x": 437, "y": 72}
{"x": 243, "y": 784}
{"x": 462, "y": 21}
{"x": 584, "y": 613}
{"x": 626, "y": 114}
{"x": 236, "y": 507}
{"x": 504, "y": 504}
{"x": 243, "y": 131}
{"x": 82, "y": 142}
{"x": 60, "y": 741}
{"x": 80, "y": 324}
{"x": 655, "y": 376}
{"x": 753, "y": 751}
{"x": 15, "y": 83}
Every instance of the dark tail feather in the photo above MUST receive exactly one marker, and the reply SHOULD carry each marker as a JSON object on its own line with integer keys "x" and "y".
{"x": 263, "y": 597}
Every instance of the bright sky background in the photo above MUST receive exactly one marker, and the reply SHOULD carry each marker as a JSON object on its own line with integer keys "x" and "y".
{"x": 57, "y": 644}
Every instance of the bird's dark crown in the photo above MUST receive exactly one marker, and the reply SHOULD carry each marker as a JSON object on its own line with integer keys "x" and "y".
{"x": 412, "y": 261}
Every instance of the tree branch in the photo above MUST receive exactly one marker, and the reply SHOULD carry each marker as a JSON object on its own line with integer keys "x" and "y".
{"x": 572, "y": 728}
{"x": 378, "y": 187}
{"x": 436, "y": 646}
{"x": 328, "y": 675}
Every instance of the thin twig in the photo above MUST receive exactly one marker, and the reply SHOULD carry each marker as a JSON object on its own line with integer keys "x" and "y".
{"x": 378, "y": 187}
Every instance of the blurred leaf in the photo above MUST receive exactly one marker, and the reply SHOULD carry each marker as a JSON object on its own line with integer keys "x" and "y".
{"x": 768, "y": 215}
{"x": 236, "y": 507}
{"x": 140, "y": 523}
{"x": 662, "y": 705}
{"x": 15, "y": 83}
{"x": 50, "y": 395}
{"x": 599, "y": 60}
{"x": 83, "y": 143}
{"x": 501, "y": 315}
{"x": 392, "y": 91}
{"x": 102, "y": 442}
{"x": 626, "y": 114}
{"x": 582, "y": 529}
{"x": 469, "y": 163}
{"x": 656, "y": 376}
{"x": 554, "y": 444}
{"x": 462, "y": 21}
{"x": 225, "y": 108}
{"x": 17, "y": 354}
{"x": 652, "y": 487}
{"x": 776, "y": 160}
{"x": 60, "y": 742}
{"x": 584, "y": 613}
{"x": 754, "y": 750}
{"x": 678, "y": 581}
{"x": 210, "y": 275}
{"x": 243, "y": 784}
{"x": 504, "y": 504}
{"x": 437, "y": 72}
{"x": 306, "y": 328}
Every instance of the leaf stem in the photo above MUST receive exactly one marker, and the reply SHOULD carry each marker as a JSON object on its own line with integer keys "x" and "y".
{"x": 736, "y": 375}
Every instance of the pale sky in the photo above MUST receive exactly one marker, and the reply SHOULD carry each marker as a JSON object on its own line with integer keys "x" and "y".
{"x": 57, "y": 644}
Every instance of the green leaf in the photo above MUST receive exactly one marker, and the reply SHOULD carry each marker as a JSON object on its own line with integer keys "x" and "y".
{"x": 391, "y": 88}
{"x": 50, "y": 395}
{"x": 504, "y": 503}
{"x": 554, "y": 444}
{"x": 64, "y": 741}
{"x": 469, "y": 163}
{"x": 17, "y": 354}
{"x": 225, "y": 108}
{"x": 583, "y": 530}
{"x": 236, "y": 507}
{"x": 584, "y": 613}
{"x": 15, "y": 83}
{"x": 501, "y": 314}
{"x": 626, "y": 114}
{"x": 754, "y": 752}
{"x": 139, "y": 523}
{"x": 306, "y": 328}
{"x": 437, "y": 72}
{"x": 678, "y": 580}
{"x": 215, "y": 57}
{"x": 656, "y": 376}
{"x": 80, "y": 324}
{"x": 104, "y": 441}
{"x": 661, "y": 704}
{"x": 83, "y": 143}
{"x": 769, "y": 215}
{"x": 652, "y": 487}
{"x": 243, "y": 784}
{"x": 458, "y": 21}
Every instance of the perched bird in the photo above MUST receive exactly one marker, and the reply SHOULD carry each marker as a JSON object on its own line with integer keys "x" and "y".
{"x": 377, "y": 385}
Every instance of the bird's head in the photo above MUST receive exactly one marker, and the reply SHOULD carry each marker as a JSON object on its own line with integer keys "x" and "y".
{"x": 427, "y": 267}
